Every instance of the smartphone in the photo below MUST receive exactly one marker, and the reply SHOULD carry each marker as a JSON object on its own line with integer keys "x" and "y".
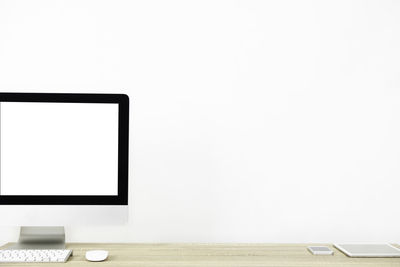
{"x": 320, "y": 250}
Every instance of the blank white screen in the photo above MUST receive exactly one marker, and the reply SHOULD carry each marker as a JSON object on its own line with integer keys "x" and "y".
{"x": 58, "y": 148}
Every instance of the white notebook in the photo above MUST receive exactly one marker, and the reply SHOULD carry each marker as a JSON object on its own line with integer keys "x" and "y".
{"x": 369, "y": 250}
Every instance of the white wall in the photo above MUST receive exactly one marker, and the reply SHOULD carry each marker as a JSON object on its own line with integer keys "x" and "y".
{"x": 252, "y": 121}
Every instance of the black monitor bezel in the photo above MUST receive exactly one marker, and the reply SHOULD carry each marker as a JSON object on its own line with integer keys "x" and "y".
{"x": 123, "y": 141}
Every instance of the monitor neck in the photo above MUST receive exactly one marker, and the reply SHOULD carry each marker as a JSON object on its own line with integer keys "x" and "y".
{"x": 38, "y": 237}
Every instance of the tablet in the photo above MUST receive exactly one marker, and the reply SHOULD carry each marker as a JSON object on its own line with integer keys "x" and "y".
{"x": 369, "y": 250}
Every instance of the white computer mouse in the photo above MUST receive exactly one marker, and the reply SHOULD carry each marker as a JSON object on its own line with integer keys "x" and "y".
{"x": 96, "y": 255}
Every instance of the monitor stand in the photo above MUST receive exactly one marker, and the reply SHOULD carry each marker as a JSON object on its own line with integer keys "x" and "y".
{"x": 38, "y": 237}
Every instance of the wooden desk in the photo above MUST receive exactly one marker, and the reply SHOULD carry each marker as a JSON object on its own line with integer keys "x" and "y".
{"x": 216, "y": 255}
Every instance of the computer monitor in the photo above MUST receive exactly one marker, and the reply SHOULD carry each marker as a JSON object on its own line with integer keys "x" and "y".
{"x": 63, "y": 161}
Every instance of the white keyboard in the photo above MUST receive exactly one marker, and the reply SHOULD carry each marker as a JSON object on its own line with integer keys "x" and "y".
{"x": 34, "y": 255}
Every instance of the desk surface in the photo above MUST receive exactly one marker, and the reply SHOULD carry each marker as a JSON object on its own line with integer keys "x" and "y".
{"x": 216, "y": 255}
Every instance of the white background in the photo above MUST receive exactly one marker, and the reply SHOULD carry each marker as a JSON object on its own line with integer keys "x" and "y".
{"x": 58, "y": 149}
{"x": 251, "y": 121}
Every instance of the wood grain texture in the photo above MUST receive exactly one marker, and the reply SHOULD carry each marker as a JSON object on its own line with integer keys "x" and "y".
{"x": 215, "y": 255}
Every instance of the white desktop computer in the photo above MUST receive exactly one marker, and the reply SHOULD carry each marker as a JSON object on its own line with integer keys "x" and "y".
{"x": 63, "y": 161}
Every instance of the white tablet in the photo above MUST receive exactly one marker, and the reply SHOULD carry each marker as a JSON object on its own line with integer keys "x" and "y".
{"x": 369, "y": 250}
